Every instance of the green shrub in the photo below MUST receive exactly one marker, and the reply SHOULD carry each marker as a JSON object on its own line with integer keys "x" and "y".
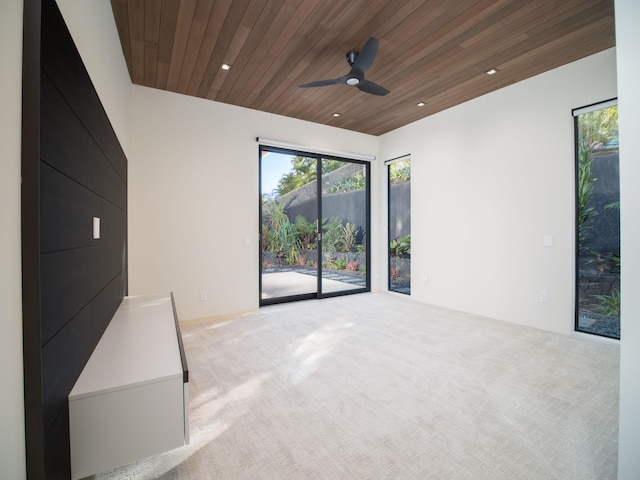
{"x": 279, "y": 235}
{"x": 355, "y": 182}
{"x": 306, "y": 232}
{"x": 332, "y": 236}
{"x": 400, "y": 246}
{"x": 349, "y": 236}
{"x": 609, "y": 304}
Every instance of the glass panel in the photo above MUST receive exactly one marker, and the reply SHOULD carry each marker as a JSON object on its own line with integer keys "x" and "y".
{"x": 400, "y": 226}
{"x": 289, "y": 247}
{"x": 344, "y": 226}
{"x": 598, "y": 223}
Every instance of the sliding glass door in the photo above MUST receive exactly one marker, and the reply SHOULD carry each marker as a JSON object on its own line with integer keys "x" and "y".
{"x": 345, "y": 223}
{"x": 289, "y": 214}
{"x": 313, "y": 234}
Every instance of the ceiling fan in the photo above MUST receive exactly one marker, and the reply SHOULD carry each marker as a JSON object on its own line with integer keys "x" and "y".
{"x": 360, "y": 63}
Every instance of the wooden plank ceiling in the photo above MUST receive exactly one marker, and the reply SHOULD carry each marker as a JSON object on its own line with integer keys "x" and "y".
{"x": 431, "y": 51}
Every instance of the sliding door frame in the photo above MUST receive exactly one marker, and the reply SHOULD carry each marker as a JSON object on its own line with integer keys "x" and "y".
{"x": 367, "y": 287}
{"x": 289, "y": 298}
{"x": 319, "y": 157}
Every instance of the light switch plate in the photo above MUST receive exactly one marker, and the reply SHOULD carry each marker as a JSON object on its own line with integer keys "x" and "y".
{"x": 96, "y": 228}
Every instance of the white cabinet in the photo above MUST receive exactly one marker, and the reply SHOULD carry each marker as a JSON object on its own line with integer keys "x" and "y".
{"x": 132, "y": 398}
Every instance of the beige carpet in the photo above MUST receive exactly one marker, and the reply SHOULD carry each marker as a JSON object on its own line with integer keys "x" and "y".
{"x": 377, "y": 386}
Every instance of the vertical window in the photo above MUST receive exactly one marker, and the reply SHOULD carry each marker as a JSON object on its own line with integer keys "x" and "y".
{"x": 399, "y": 208}
{"x": 597, "y": 220}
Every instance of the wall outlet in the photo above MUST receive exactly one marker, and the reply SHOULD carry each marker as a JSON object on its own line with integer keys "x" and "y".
{"x": 543, "y": 297}
{"x": 203, "y": 296}
{"x": 424, "y": 278}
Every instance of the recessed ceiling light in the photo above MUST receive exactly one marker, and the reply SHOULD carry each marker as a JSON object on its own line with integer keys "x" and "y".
{"x": 420, "y": 104}
{"x": 224, "y": 66}
{"x": 336, "y": 114}
{"x": 492, "y": 71}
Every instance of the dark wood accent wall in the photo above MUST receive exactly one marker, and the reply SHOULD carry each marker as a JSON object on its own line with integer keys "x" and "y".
{"x": 74, "y": 169}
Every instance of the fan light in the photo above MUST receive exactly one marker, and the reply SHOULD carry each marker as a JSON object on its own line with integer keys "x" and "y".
{"x": 353, "y": 81}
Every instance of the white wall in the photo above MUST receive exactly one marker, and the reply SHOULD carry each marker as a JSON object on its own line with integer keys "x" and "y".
{"x": 495, "y": 176}
{"x": 12, "y": 451}
{"x": 628, "y": 41}
{"x": 94, "y": 32}
{"x": 193, "y": 196}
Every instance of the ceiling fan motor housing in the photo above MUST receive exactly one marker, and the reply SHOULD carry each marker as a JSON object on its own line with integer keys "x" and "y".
{"x": 355, "y": 76}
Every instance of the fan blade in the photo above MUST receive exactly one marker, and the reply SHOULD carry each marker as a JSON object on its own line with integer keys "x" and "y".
{"x": 366, "y": 56}
{"x": 373, "y": 88}
{"x": 319, "y": 83}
